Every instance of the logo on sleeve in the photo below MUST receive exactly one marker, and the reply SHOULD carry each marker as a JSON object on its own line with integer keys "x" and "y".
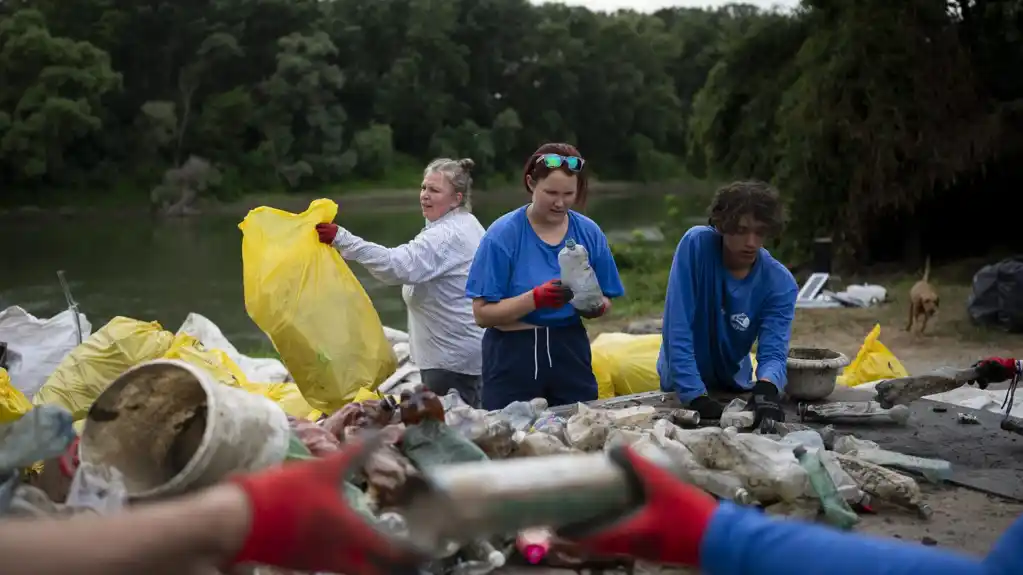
{"x": 739, "y": 321}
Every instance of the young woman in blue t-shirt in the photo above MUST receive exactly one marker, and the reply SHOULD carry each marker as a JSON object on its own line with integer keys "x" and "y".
{"x": 535, "y": 344}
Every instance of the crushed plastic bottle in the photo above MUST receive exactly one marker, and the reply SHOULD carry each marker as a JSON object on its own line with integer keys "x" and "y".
{"x": 885, "y": 484}
{"x": 521, "y": 414}
{"x": 735, "y": 415}
{"x": 836, "y": 510}
{"x": 933, "y": 470}
{"x": 577, "y": 274}
{"x": 550, "y": 423}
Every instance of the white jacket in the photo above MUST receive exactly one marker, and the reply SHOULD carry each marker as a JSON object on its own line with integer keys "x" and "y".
{"x": 433, "y": 269}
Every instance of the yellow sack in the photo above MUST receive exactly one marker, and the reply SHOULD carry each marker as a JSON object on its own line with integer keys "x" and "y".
{"x": 286, "y": 395}
{"x": 872, "y": 362}
{"x": 85, "y": 372}
{"x": 601, "y": 363}
{"x": 13, "y": 403}
{"x": 190, "y": 350}
{"x": 365, "y": 394}
{"x": 302, "y": 294}
{"x": 632, "y": 361}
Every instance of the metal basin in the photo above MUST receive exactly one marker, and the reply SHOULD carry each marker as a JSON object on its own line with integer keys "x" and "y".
{"x": 812, "y": 372}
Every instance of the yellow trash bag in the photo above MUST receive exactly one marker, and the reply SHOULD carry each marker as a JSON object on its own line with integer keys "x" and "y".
{"x": 217, "y": 363}
{"x": 286, "y": 395}
{"x": 632, "y": 361}
{"x": 872, "y": 362}
{"x": 13, "y": 403}
{"x": 85, "y": 372}
{"x": 303, "y": 295}
{"x": 366, "y": 394}
{"x": 601, "y": 363}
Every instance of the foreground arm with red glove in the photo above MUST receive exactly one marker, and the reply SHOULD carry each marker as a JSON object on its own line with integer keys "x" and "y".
{"x": 293, "y": 516}
{"x": 996, "y": 370}
{"x": 680, "y": 524}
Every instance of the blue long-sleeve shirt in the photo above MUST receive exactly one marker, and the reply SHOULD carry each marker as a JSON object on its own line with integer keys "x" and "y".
{"x": 744, "y": 541}
{"x": 712, "y": 319}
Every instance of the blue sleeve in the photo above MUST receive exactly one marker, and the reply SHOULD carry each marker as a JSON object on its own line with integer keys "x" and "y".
{"x": 743, "y": 541}
{"x": 681, "y": 373}
{"x": 490, "y": 271}
{"x": 604, "y": 266}
{"x": 775, "y": 331}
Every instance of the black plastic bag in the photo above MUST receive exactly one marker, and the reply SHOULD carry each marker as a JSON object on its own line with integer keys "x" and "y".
{"x": 997, "y": 296}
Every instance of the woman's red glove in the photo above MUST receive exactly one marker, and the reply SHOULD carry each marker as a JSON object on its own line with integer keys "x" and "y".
{"x": 327, "y": 232}
{"x": 302, "y": 521}
{"x": 552, "y": 294}
{"x": 668, "y": 528}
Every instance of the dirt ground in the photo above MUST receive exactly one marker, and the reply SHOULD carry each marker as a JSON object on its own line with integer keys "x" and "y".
{"x": 964, "y": 520}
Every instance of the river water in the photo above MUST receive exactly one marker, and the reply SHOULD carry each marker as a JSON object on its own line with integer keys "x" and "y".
{"x": 161, "y": 270}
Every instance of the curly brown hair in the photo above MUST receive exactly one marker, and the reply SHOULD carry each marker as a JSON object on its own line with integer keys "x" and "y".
{"x": 754, "y": 198}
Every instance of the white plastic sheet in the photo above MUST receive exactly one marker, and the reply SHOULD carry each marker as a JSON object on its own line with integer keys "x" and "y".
{"x": 35, "y": 347}
{"x": 256, "y": 369}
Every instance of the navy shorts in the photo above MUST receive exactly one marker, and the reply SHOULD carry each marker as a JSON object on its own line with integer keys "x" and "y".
{"x": 549, "y": 362}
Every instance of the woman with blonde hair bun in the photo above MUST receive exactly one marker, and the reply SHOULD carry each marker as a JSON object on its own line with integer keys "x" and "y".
{"x": 432, "y": 268}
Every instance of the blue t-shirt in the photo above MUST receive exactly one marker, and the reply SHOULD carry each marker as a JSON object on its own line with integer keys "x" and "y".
{"x": 512, "y": 260}
{"x": 744, "y": 541}
{"x": 712, "y": 319}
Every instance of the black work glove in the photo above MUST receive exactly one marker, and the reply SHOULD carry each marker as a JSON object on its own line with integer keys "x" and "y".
{"x": 707, "y": 408}
{"x": 764, "y": 403}
{"x": 994, "y": 370}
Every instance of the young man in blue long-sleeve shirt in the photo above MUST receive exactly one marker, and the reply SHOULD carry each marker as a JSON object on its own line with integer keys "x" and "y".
{"x": 725, "y": 291}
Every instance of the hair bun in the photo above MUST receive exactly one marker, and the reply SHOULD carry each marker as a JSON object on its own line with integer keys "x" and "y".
{"x": 466, "y": 164}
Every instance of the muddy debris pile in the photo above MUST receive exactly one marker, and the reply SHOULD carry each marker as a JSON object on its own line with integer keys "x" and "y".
{"x": 794, "y": 471}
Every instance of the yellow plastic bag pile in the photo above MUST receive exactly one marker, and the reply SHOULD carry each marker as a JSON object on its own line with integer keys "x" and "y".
{"x": 13, "y": 403}
{"x": 625, "y": 363}
{"x": 303, "y": 295}
{"x": 873, "y": 362}
{"x": 287, "y": 395}
{"x": 92, "y": 366}
{"x": 123, "y": 343}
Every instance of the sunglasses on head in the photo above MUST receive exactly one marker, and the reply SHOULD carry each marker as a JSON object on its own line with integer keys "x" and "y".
{"x": 555, "y": 161}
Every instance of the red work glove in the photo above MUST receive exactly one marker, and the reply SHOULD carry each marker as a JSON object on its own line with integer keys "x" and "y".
{"x": 327, "y": 232}
{"x": 69, "y": 461}
{"x": 668, "y": 528}
{"x": 551, "y": 295}
{"x": 995, "y": 370}
{"x": 595, "y": 312}
{"x": 302, "y": 521}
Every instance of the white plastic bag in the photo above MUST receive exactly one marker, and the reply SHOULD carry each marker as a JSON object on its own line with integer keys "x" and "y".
{"x": 257, "y": 369}
{"x": 98, "y": 488}
{"x": 35, "y": 347}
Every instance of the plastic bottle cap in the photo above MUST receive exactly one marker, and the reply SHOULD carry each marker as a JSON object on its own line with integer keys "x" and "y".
{"x": 570, "y": 243}
{"x": 534, "y": 553}
{"x": 496, "y": 559}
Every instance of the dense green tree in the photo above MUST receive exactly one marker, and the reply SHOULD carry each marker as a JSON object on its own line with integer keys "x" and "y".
{"x": 859, "y": 111}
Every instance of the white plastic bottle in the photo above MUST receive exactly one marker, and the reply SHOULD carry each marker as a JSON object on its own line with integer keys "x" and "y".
{"x": 578, "y": 275}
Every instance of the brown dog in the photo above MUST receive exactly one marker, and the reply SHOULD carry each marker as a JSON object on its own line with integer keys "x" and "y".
{"x": 923, "y": 301}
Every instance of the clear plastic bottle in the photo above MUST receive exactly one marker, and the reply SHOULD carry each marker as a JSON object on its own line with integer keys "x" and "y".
{"x": 577, "y": 274}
